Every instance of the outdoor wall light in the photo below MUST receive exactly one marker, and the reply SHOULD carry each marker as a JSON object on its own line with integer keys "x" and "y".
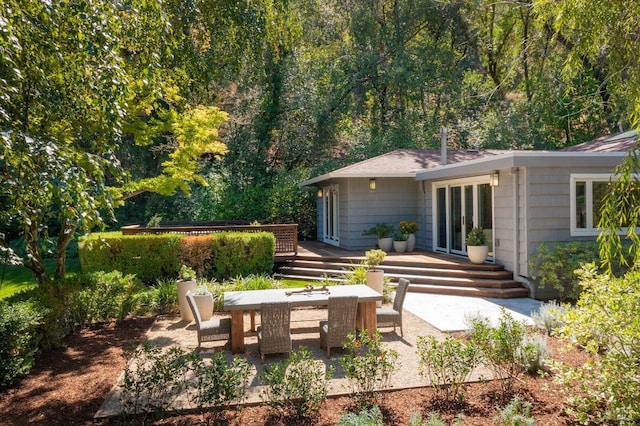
{"x": 494, "y": 179}
{"x": 372, "y": 184}
{"x": 319, "y": 192}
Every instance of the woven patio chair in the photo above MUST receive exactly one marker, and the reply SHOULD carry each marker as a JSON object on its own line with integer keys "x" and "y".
{"x": 274, "y": 332}
{"x": 388, "y": 317}
{"x": 340, "y": 322}
{"x": 210, "y": 330}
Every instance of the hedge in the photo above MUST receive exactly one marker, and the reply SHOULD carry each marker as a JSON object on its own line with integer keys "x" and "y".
{"x": 152, "y": 257}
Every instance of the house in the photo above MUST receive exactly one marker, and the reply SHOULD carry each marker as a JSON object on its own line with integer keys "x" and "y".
{"x": 520, "y": 198}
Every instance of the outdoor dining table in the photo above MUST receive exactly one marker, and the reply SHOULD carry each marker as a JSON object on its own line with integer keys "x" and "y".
{"x": 237, "y": 302}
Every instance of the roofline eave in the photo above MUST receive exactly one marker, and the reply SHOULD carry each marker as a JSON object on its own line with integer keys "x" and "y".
{"x": 365, "y": 175}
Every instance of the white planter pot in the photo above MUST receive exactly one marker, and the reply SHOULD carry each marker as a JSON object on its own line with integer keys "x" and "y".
{"x": 183, "y": 287}
{"x": 477, "y": 254}
{"x": 204, "y": 303}
{"x": 385, "y": 244}
{"x": 375, "y": 280}
{"x": 400, "y": 246}
{"x": 411, "y": 242}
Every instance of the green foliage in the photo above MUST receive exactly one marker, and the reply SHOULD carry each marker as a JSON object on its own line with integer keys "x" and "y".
{"x": 249, "y": 282}
{"x": 447, "y": 365}
{"x": 476, "y": 237}
{"x": 20, "y": 336}
{"x": 196, "y": 252}
{"x": 366, "y": 417}
{"x": 160, "y": 298}
{"x": 368, "y": 365}
{"x": 549, "y": 316}
{"x": 186, "y": 273}
{"x": 381, "y": 230}
{"x": 357, "y": 275}
{"x": 243, "y": 253}
{"x": 153, "y": 379}
{"x": 297, "y": 385}
{"x": 374, "y": 257}
{"x": 149, "y": 257}
{"x": 534, "y": 353}
{"x": 516, "y": 413}
{"x": 604, "y": 390}
{"x": 219, "y": 384}
{"x": 435, "y": 419}
{"x": 408, "y": 227}
{"x": 500, "y": 347}
{"x": 554, "y": 266}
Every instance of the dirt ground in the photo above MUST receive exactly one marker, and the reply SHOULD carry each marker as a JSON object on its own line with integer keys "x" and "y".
{"x": 69, "y": 385}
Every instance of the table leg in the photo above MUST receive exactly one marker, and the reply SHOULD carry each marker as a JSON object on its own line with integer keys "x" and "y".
{"x": 253, "y": 320}
{"x": 237, "y": 331}
{"x": 367, "y": 319}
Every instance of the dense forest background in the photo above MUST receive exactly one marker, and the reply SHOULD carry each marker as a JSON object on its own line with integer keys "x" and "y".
{"x": 123, "y": 112}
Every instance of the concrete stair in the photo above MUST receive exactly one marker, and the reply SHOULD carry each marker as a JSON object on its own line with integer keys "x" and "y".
{"x": 464, "y": 279}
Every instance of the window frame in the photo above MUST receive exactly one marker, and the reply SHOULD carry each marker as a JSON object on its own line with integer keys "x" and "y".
{"x": 589, "y": 179}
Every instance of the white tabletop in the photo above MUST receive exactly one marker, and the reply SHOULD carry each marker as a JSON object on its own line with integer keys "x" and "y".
{"x": 251, "y": 299}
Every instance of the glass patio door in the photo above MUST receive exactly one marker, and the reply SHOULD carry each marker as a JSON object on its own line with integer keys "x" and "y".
{"x": 330, "y": 210}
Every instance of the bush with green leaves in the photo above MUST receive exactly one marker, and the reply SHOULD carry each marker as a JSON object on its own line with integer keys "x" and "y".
{"x": 606, "y": 324}
{"x": 516, "y": 413}
{"x": 368, "y": 365}
{"x": 549, "y": 316}
{"x": 447, "y": 364}
{"x": 161, "y": 298}
{"x": 435, "y": 419}
{"x": 240, "y": 283}
{"x": 534, "y": 353}
{"x": 553, "y": 266}
{"x": 366, "y": 417}
{"x": 153, "y": 379}
{"x": 242, "y": 253}
{"x": 217, "y": 383}
{"x": 357, "y": 274}
{"x": 20, "y": 335}
{"x": 296, "y": 386}
{"x": 500, "y": 346}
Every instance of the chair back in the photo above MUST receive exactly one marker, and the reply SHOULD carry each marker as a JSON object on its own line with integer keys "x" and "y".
{"x": 194, "y": 308}
{"x": 275, "y": 318}
{"x": 401, "y": 292}
{"x": 342, "y": 316}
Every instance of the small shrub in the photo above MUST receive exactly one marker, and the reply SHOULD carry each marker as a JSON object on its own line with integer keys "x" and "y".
{"x": 297, "y": 385}
{"x": 366, "y": 417}
{"x": 499, "y": 346}
{"x": 19, "y": 339}
{"x": 434, "y": 419}
{"x": 549, "y": 316}
{"x": 447, "y": 364}
{"x": 516, "y": 413}
{"x": 533, "y": 353}
{"x": 357, "y": 274}
{"x": 242, "y": 253}
{"x": 368, "y": 365}
{"x": 162, "y": 298}
{"x": 196, "y": 251}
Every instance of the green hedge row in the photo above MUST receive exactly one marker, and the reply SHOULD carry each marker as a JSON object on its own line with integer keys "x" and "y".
{"x": 153, "y": 257}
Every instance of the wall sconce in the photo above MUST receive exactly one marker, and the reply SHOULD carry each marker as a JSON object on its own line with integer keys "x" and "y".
{"x": 372, "y": 184}
{"x": 319, "y": 192}
{"x": 494, "y": 179}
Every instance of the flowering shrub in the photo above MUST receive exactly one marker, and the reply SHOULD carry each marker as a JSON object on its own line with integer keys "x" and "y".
{"x": 368, "y": 365}
{"x": 407, "y": 227}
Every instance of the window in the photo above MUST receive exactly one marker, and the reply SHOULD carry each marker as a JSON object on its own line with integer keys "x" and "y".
{"x": 587, "y": 194}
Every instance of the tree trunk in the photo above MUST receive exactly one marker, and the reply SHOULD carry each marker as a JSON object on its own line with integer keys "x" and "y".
{"x": 64, "y": 238}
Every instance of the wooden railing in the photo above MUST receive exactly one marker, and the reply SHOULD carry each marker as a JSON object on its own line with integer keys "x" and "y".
{"x": 286, "y": 235}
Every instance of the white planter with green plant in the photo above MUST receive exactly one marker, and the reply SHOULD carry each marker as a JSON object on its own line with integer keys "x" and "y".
{"x": 477, "y": 246}
{"x": 186, "y": 282}
{"x": 204, "y": 302}
{"x": 409, "y": 229}
{"x": 384, "y": 232}
{"x": 375, "y": 276}
{"x": 400, "y": 242}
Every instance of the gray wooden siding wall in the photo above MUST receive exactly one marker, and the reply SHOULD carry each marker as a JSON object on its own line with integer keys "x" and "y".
{"x": 503, "y": 220}
{"x": 394, "y": 199}
{"x": 424, "y": 237}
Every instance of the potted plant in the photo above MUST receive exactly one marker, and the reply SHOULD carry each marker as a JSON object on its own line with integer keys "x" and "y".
{"x": 409, "y": 228}
{"x": 204, "y": 302}
{"x": 477, "y": 246}
{"x": 400, "y": 242}
{"x": 186, "y": 282}
{"x": 375, "y": 276}
{"x": 384, "y": 232}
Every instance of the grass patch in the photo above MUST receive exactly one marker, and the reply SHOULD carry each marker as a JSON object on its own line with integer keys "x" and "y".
{"x": 19, "y": 278}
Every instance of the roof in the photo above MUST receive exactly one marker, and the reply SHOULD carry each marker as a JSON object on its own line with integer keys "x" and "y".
{"x": 424, "y": 164}
{"x": 401, "y": 163}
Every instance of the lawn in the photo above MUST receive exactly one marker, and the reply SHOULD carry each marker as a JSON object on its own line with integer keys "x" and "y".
{"x": 14, "y": 279}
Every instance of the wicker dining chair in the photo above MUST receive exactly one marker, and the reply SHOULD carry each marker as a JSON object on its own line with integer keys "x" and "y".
{"x": 341, "y": 320}
{"x": 387, "y": 317}
{"x": 210, "y": 330}
{"x": 274, "y": 332}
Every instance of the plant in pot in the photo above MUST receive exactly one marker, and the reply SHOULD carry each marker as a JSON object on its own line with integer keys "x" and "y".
{"x": 375, "y": 276}
{"x": 409, "y": 228}
{"x": 204, "y": 302}
{"x": 400, "y": 242}
{"x": 477, "y": 245}
{"x": 384, "y": 233}
{"x": 186, "y": 282}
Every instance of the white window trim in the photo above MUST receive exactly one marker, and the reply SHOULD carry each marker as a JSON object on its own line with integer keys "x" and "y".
{"x": 589, "y": 178}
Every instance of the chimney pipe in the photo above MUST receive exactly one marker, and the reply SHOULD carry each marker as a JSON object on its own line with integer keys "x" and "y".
{"x": 443, "y": 145}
